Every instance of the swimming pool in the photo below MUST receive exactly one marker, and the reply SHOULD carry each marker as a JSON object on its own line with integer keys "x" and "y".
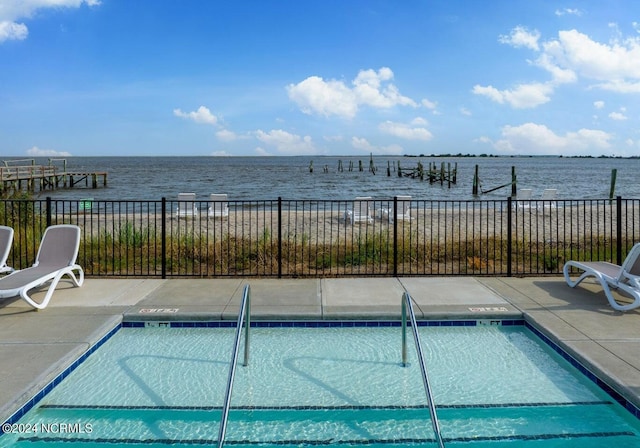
{"x": 326, "y": 383}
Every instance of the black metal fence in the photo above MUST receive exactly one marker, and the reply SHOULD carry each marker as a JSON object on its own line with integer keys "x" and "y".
{"x": 316, "y": 238}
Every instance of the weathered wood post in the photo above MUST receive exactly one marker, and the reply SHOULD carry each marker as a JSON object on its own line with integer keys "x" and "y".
{"x": 474, "y": 189}
{"x": 388, "y": 168}
{"x": 311, "y": 166}
{"x": 612, "y": 188}
{"x": 360, "y": 165}
{"x": 514, "y": 187}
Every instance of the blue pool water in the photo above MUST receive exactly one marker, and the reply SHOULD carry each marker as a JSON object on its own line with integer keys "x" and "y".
{"x": 327, "y": 386}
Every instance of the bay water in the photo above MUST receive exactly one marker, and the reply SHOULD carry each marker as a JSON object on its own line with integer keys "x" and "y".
{"x": 267, "y": 178}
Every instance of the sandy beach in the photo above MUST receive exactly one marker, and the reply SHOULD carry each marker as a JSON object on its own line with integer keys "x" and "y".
{"x": 453, "y": 223}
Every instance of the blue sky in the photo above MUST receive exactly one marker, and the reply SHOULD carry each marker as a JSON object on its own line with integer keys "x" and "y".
{"x": 293, "y": 77}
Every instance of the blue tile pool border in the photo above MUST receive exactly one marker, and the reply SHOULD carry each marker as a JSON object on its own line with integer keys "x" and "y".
{"x": 629, "y": 406}
{"x": 61, "y": 376}
{"x": 320, "y": 323}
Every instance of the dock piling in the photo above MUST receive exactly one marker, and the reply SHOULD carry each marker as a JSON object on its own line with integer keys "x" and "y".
{"x": 476, "y": 182}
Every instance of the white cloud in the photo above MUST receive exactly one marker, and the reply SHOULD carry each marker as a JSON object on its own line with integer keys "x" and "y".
{"x": 559, "y": 75}
{"x": 221, "y": 153}
{"x": 521, "y": 37}
{"x": 203, "y": 115}
{"x": 615, "y": 65}
{"x": 13, "y": 31}
{"x": 226, "y": 135}
{"x": 568, "y": 11}
{"x": 523, "y": 96}
{"x": 432, "y": 105}
{"x": 618, "y": 116}
{"x": 13, "y": 10}
{"x": 363, "y": 145}
{"x": 315, "y": 95}
{"x": 620, "y": 86}
{"x": 37, "y": 152}
{"x": 598, "y": 104}
{"x": 370, "y": 88}
{"x": 531, "y": 138}
{"x": 465, "y": 111}
{"x": 405, "y": 131}
{"x": 287, "y": 143}
{"x": 262, "y": 152}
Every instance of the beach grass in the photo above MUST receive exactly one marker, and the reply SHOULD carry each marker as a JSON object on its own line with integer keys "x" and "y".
{"x": 139, "y": 252}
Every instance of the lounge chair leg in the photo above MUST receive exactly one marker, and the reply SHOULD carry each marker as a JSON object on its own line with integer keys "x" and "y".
{"x": 77, "y": 281}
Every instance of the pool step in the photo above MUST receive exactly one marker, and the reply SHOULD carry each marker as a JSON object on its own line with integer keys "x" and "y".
{"x": 513, "y": 426}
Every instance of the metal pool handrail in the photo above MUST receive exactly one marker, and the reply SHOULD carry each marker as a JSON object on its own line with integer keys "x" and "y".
{"x": 406, "y": 304}
{"x": 243, "y": 316}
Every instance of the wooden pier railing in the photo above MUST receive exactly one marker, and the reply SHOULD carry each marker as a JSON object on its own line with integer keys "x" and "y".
{"x": 43, "y": 177}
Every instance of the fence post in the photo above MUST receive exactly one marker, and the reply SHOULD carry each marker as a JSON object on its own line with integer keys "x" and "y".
{"x": 164, "y": 238}
{"x": 395, "y": 236}
{"x": 48, "y": 207}
{"x": 279, "y": 237}
{"x": 619, "y": 230}
{"x": 509, "y": 236}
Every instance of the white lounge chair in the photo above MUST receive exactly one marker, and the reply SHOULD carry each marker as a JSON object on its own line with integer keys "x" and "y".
{"x": 219, "y": 207}
{"x": 625, "y": 278}
{"x": 523, "y": 198}
{"x": 403, "y": 213}
{"x": 361, "y": 211}
{"x": 56, "y": 258}
{"x": 549, "y": 197}
{"x": 404, "y": 208}
{"x": 186, "y": 205}
{"x": 6, "y": 240}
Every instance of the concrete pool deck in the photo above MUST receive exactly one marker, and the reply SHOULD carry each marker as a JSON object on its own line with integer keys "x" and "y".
{"x": 36, "y": 346}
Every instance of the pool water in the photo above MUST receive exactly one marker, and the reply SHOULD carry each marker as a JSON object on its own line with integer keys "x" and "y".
{"x": 330, "y": 386}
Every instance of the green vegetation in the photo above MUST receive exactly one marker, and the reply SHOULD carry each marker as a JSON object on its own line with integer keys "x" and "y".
{"x": 138, "y": 252}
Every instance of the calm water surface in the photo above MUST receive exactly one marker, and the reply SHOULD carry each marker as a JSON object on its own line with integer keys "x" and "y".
{"x": 265, "y": 178}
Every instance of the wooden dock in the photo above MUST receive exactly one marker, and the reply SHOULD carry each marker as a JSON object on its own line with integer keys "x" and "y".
{"x": 46, "y": 177}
